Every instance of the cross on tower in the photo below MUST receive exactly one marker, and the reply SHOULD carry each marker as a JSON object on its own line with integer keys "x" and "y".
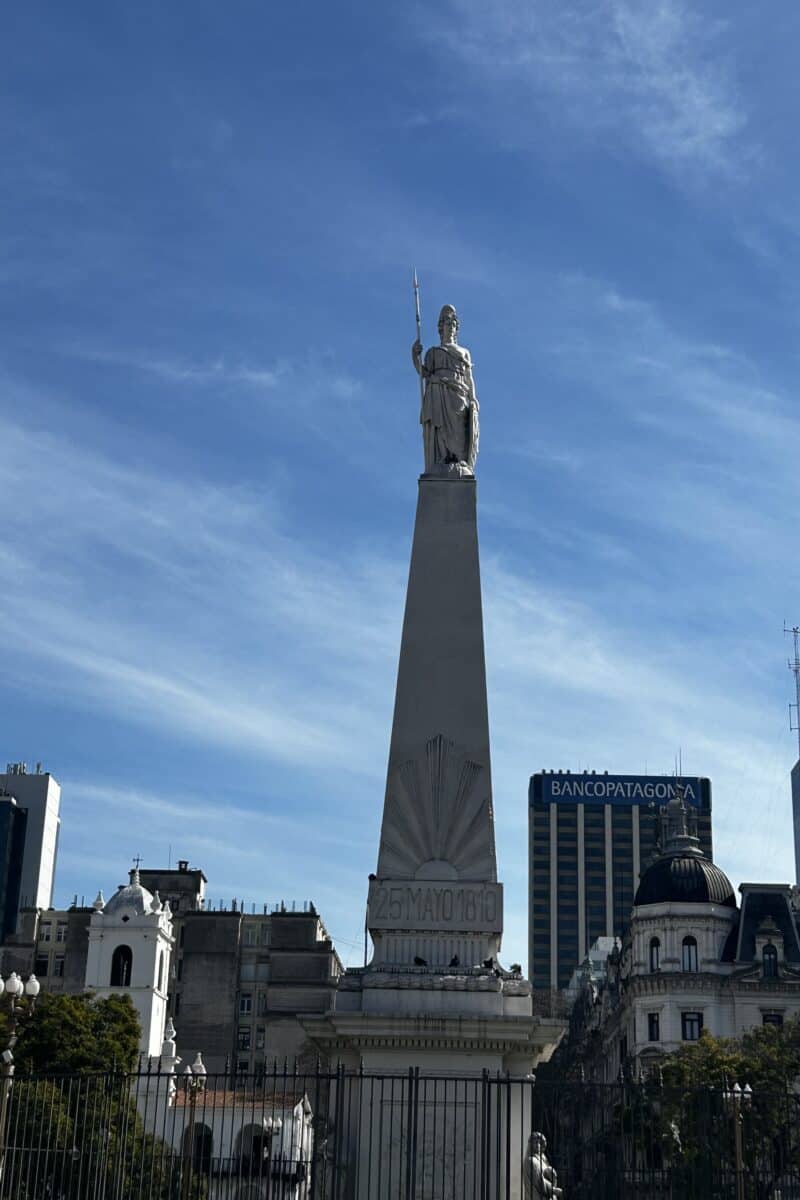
{"x": 137, "y": 860}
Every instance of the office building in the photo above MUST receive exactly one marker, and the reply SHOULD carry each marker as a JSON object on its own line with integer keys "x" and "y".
{"x": 13, "y": 821}
{"x": 246, "y": 982}
{"x": 590, "y": 838}
{"x": 39, "y": 794}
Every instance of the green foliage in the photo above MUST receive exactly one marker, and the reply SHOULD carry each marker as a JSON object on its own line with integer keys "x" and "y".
{"x": 695, "y": 1109}
{"x": 768, "y": 1058}
{"x": 81, "y": 1137}
{"x": 76, "y": 1034}
{"x": 77, "y": 1132}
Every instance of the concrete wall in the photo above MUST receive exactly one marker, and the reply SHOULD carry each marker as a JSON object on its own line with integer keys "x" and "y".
{"x": 209, "y": 985}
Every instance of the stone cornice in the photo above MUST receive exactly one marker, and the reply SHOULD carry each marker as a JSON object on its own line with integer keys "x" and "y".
{"x": 502, "y": 1035}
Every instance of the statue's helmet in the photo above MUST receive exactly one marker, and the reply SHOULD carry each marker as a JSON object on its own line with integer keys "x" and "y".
{"x": 448, "y": 311}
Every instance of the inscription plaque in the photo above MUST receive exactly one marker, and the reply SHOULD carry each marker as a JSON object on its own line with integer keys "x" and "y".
{"x": 428, "y": 905}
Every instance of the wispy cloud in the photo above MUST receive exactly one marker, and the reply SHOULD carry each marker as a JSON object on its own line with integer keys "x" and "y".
{"x": 222, "y": 371}
{"x": 222, "y": 552}
{"x": 241, "y": 638}
{"x": 654, "y": 72}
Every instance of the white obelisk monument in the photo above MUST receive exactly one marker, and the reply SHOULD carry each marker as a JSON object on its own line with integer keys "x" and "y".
{"x": 434, "y": 994}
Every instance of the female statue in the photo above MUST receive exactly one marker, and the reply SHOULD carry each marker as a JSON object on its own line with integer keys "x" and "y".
{"x": 449, "y": 415}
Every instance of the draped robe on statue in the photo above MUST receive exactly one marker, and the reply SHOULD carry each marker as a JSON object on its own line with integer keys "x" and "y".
{"x": 449, "y": 415}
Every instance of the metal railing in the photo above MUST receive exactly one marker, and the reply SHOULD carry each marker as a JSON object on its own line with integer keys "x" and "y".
{"x": 339, "y": 1135}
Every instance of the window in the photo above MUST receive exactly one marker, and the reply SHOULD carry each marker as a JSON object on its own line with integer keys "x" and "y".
{"x": 691, "y": 1026}
{"x": 45, "y": 931}
{"x": 770, "y": 962}
{"x": 689, "y": 958}
{"x": 199, "y": 1141}
{"x": 262, "y": 1004}
{"x": 177, "y": 1004}
{"x": 179, "y": 972}
{"x": 121, "y": 966}
{"x": 265, "y": 934}
{"x": 246, "y": 1003}
{"x": 41, "y": 964}
{"x": 653, "y": 1027}
{"x": 244, "y": 1038}
{"x": 251, "y": 935}
{"x": 772, "y": 1018}
{"x": 623, "y": 1049}
{"x": 160, "y": 984}
{"x": 58, "y": 966}
{"x": 260, "y": 1037}
{"x": 655, "y": 954}
{"x": 242, "y": 1066}
{"x": 61, "y": 932}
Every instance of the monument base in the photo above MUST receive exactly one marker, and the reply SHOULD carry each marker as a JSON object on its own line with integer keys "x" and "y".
{"x": 445, "y": 1069}
{"x": 388, "y": 1020}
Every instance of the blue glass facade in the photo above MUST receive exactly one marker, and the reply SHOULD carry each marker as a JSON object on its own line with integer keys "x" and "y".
{"x": 591, "y": 836}
{"x": 13, "y": 821}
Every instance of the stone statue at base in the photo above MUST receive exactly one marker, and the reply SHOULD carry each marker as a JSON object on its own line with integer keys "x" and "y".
{"x": 539, "y": 1177}
{"x": 449, "y": 414}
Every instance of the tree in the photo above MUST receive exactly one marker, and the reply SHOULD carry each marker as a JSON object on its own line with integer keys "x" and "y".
{"x": 696, "y": 1100}
{"x": 73, "y": 1130}
{"x": 77, "y": 1034}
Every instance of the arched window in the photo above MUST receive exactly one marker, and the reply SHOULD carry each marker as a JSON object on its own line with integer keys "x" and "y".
{"x": 121, "y": 966}
{"x": 161, "y": 971}
{"x": 655, "y": 954}
{"x": 198, "y": 1142}
{"x": 689, "y": 958}
{"x": 770, "y": 961}
{"x": 253, "y": 1145}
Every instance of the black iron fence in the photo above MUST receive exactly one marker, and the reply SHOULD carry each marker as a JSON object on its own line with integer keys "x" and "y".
{"x": 338, "y": 1135}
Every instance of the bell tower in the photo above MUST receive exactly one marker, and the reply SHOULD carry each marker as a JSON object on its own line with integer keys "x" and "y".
{"x": 130, "y": 950}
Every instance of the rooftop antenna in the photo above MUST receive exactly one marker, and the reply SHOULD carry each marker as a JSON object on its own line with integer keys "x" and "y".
{"x": 794, "y": 667}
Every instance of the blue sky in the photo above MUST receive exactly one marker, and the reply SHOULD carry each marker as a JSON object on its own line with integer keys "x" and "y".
{"x": 209, "y": 217}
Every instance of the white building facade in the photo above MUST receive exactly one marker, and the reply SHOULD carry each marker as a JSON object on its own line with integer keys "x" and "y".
{"x": 130, "y": 950}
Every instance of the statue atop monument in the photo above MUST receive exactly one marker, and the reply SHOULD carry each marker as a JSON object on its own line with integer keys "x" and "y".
{"x": 449, "y": 413}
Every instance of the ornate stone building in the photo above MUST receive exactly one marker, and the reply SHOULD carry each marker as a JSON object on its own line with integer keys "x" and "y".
{"x": 692, "y": 959}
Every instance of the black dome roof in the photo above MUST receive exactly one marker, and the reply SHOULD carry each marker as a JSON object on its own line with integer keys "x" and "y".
{"x": 688, "y": 878}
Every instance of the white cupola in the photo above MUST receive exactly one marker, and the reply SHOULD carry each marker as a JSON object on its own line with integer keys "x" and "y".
{"x": 130, "y": 947}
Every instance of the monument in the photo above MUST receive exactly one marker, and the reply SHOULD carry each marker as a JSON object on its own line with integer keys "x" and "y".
{"x": 434, "y": 996}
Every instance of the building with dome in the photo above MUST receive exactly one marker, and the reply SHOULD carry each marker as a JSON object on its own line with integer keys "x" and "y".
{"x": 130, "y": 949}
{"x": 691, "y": 959}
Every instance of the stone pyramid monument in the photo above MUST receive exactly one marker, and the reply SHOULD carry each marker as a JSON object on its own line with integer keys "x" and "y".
{"x": 434, "y": 994}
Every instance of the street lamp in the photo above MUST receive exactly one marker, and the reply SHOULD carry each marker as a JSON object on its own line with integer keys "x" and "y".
{"x": 736, "y": 1100}
{"x": 272, "y": 1127}
{"x": 14, "y": 988}
{"x": 194, "y": 1082}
